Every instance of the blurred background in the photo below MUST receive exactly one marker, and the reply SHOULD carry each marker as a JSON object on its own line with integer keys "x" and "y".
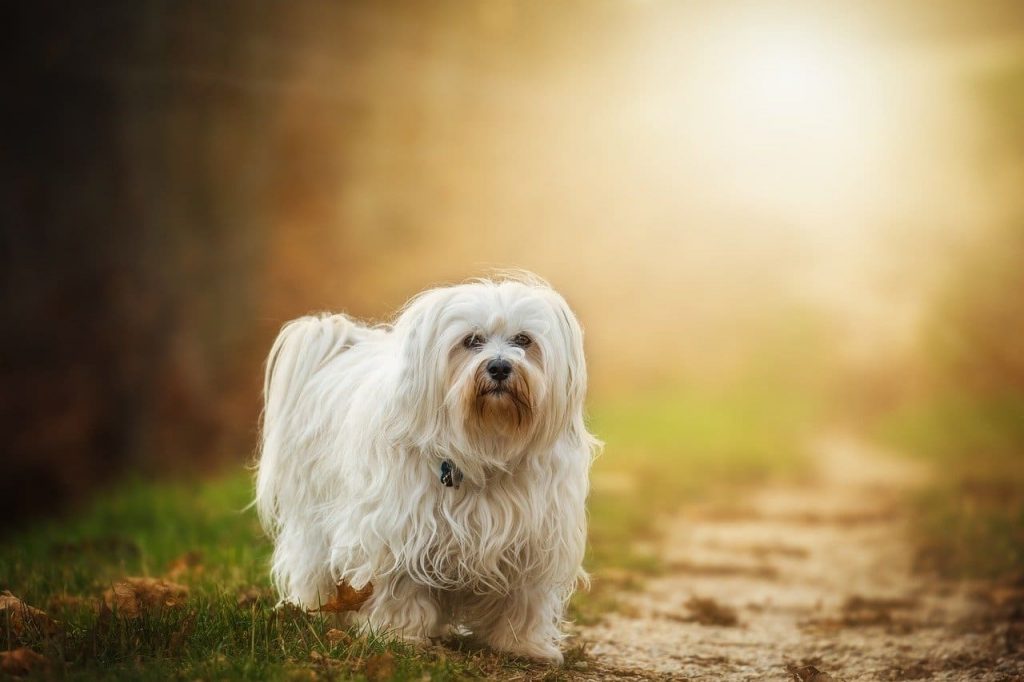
{"x": 771, "y": 217}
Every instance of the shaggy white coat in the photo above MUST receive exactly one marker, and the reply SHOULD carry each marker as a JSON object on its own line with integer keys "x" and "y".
{"x": 356, "y": 424}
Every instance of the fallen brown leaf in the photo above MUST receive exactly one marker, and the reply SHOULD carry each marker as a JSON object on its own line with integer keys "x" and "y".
{"x": 858, "y": 611}
{"x": 336, "y": 636}
{"x": 21, "y": 661}
{"x": 249, "y": 597}
{"x": 132, "y": 597}
{"x": 707, "y": 611}
{"x": 325, "y": 662}
{"x": 808, "y": 673}
{"x": 21, "y": 617}
{"x": 287, "y": 612}
{"x": 380, "y": 667}
{"x": 189, "y": 562}
{"x": 347, "y": 598}
{"x": 858, "y": 602}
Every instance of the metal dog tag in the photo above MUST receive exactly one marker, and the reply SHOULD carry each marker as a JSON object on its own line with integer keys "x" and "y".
{"x": 451, "y": 475}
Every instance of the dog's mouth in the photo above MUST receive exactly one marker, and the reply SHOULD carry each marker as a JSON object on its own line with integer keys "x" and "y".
{"x": 506, "y": 406}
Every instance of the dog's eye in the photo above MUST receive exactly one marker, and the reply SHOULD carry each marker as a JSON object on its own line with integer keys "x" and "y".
{"x": 473, "y": 341}
{"x": 521, "y": 340}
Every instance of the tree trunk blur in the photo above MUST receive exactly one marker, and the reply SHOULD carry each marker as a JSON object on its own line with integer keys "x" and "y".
{"x": 128, "y": 245}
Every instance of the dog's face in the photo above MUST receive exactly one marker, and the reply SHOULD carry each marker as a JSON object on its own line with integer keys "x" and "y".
{"x": 492, "y": 368}
{"x": 495, "y": 375}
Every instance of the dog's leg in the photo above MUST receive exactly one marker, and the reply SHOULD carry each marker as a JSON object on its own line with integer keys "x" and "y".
{"x": 524, "y": 623}
{"x": 405, "y": 609}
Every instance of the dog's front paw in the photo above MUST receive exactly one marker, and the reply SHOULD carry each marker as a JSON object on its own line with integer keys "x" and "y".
{"x": 545, "y": 652}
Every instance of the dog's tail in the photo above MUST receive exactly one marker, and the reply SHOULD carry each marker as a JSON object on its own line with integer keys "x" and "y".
{"x": 302, "y": 348}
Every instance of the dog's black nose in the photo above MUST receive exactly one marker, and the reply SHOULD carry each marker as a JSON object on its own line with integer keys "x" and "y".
{"x": 499, "y": 369}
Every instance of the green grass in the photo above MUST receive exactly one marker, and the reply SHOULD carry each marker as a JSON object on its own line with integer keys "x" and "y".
{"x": 971, "y": 516}
{"x": 140, "y": 530}
{"x": 662, "y": 451}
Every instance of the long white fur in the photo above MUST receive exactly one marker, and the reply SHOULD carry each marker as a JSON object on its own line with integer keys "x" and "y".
{"x": 357, "y": 420}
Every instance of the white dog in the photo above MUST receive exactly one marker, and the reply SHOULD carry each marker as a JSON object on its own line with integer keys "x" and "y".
{"x": 444, "y": 460}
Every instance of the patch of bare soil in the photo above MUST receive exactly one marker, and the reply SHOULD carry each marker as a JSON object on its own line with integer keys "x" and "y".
{"x": 811, "y": 581}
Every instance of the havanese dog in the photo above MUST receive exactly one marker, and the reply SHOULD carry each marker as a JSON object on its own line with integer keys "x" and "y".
{"x": 443, "y": 459}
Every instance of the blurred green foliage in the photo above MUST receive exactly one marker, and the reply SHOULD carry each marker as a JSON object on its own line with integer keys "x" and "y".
{"x": 971, "y": 515}
{"x": 968, "y": 419}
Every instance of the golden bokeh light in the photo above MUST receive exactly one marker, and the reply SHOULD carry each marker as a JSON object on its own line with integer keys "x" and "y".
{"x": 797, "y": 113}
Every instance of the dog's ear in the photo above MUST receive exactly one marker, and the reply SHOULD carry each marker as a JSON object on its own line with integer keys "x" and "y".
{"x": 418, "y": 415}
{"x": 573, "y": 384}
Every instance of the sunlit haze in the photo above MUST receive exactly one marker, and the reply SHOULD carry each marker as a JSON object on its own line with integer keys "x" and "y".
{"x": 792, "y": 232}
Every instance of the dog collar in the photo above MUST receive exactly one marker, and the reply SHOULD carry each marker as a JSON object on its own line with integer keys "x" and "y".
{"x": 451, "y": 475}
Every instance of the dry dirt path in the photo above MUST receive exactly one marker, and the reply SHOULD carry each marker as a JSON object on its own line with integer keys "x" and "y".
{"x": 818, "y": 574}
